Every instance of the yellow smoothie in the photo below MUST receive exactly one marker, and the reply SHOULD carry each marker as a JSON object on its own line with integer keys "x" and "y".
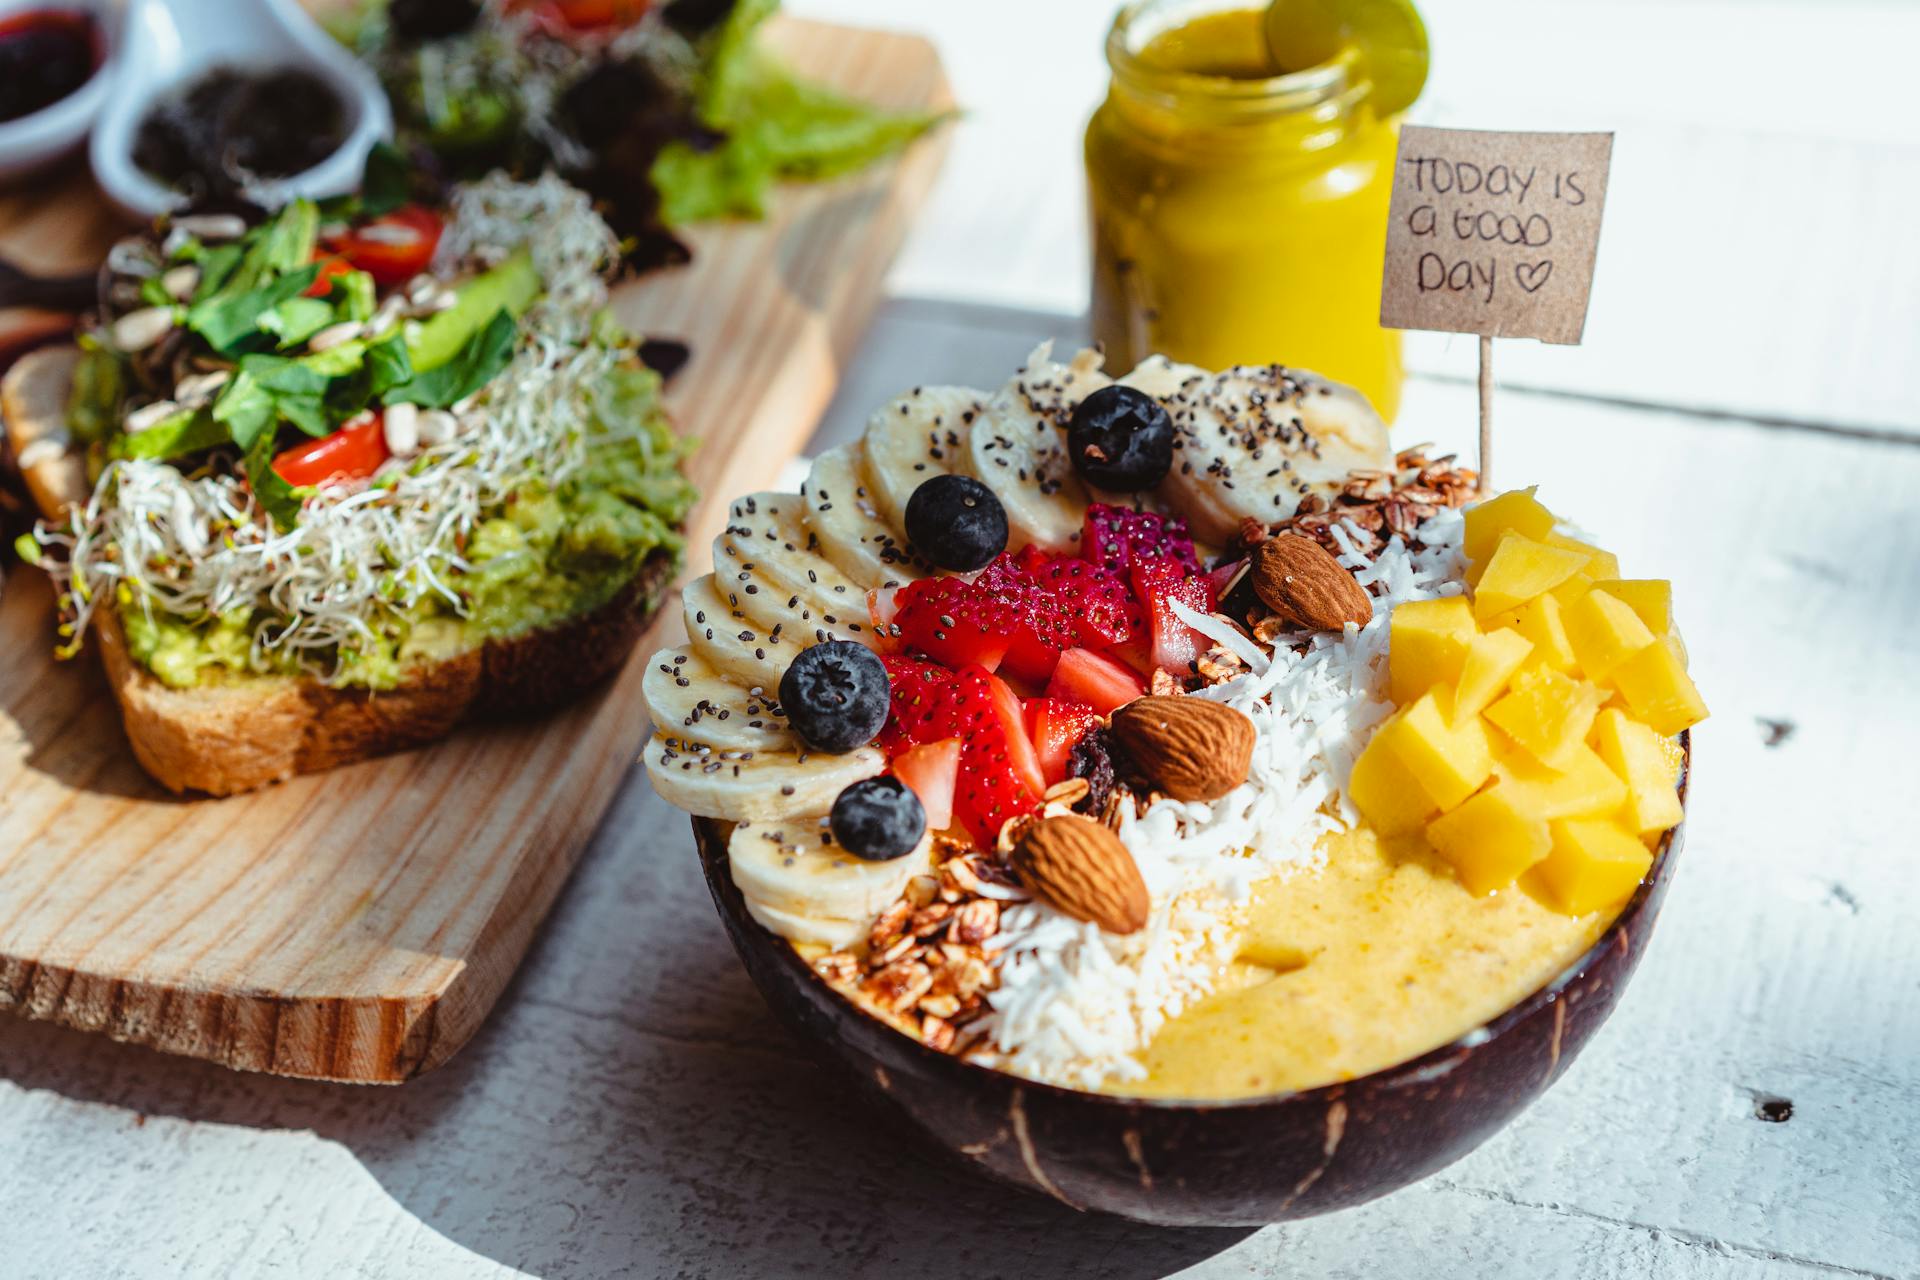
{"x": 1371, "y": 959}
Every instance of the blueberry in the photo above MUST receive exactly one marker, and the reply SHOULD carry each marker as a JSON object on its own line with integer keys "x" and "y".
{"x": 1121, "y": 439}
{"x": 879, "y": 819}
{"x": 835, "y": 695}
{"x": 957, "y": 523}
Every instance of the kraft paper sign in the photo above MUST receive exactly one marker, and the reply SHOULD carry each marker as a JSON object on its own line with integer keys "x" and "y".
{"x": 1494, "y": 233}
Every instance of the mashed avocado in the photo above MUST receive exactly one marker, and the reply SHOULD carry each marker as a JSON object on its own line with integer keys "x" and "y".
{"x": 548, "y": 555}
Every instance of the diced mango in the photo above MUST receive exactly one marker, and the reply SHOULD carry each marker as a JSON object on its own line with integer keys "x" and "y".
{"x": 1521, "y": 569}
{"x": 1385, "y": 791}
{"x": 1633, "y": 752}
{"x": 1569, "y": 592}
{"x": 1605, "y": 632}
{"x": 1658, "y": 689}
{"x": 1586, "y": 788}
{"x": 1675, "y": 756}
{"x": 1513, "y": 512}
{"x": 1651, "y": 598}
{"x": 1491, "y": 661}
{"x": 1427, "y": 645}
{"x": 1594, "y": 863}
{"x": 1542, "y": 622}
{"x": 1600, "y": 564}
{"x": 1547, "y": 713}
{"x": 1488, "y": 841}
{"x": 1448, "y": 755}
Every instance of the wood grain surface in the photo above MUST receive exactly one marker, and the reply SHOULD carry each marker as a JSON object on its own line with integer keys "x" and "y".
{"x": 357, "y": 925}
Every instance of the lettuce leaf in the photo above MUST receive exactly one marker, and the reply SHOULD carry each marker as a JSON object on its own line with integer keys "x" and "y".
{"x": 775, "y": 125}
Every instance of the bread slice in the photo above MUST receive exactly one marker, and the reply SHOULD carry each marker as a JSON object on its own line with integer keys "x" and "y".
{"x": 234, "y": 736}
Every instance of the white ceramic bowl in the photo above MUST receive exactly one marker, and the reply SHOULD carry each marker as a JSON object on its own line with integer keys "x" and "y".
{"x": 166, "y": 44}
{"x": 34, "y": 141}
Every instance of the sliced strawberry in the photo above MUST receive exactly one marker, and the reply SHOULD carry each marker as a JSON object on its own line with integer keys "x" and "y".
{"x": 1115, "y": 538}
{"x": 1058, "y": 724}
{"x": 955, "y": 622}
{"x": 1158, "y": 583}
{"x": 922, "y": 697}
{"x": 932, "y": 770}
{"x": 1094, "y": 680}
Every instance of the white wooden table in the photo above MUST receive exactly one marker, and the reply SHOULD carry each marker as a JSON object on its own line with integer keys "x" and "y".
{"x": 632, "y": 1110}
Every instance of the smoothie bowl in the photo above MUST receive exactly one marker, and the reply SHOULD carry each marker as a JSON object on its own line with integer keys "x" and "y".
{"x": 1166, "y": 796}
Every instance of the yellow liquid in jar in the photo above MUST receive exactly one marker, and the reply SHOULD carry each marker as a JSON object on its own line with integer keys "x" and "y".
{"x": 1227, "y": 236}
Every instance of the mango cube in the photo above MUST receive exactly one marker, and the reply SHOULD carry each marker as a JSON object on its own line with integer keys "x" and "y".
{"x": 1491, "y": 661}
{"x": 1448, "y": 755}
{"x": 1569, "y": 592}
{"x": 1600, "y": 564}
{"x": 1542, "y": 622}
{"x": 1605, "y": 632}
{"x": 1488, "y": 841}
{"x": 1547, "y": 713}
{"x": 1586, "y": 788}
{"x": 1515, "y": 512}
{"x": 1658, "y": 689}
{"x": 1594, "y": 863}
{"x": 1521, "y": 569}
{"x": 1385, "y": 791}
{"x": 1675, "y": 756}
{"x": 1634, "y": 753}
{"x": 1427, "y": 645}
{"x": 1651, "y": 598}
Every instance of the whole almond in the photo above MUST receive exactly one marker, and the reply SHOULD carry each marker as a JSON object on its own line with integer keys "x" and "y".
{"x": 1192, "y": 748}
{"x": 1300, "y": 580}
{"x": 1080, "y": 868}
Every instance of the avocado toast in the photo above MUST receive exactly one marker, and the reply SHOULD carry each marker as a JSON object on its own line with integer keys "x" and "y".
{"x": 325, "y": 485}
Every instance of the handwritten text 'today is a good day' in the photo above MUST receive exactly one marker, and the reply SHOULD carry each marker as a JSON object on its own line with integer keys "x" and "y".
{"x": 1470, "y": 206}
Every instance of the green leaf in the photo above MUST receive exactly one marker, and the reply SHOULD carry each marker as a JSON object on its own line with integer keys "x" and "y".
{"x": 355, "y": 295}
{"x": 230, "y": 318}
{"x": 387, "y": 182}
{"x": 268, "y": 389}
{"x": 281, "y": 245}
{"x": 155, "y": 294}
{"x": 94, "y": 396}
{"x": 216, "y": 268}
{"x": 776, "y": 126}
{"x": 296, "y": 320}
{"x": 280, "y": 499}
{"x": 388, "y": 365}
{"x": 186, "y": 432}
{"x": 471, "y": 368}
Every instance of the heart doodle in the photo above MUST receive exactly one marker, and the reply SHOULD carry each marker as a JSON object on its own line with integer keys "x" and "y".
{"x": 1532, "y": 275}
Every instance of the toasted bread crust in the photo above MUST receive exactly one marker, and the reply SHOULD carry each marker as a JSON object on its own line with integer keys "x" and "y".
{"x": 233, "y": 737}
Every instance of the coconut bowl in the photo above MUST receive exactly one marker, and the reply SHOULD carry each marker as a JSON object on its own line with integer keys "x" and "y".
{"x": 1242, "y": 1162}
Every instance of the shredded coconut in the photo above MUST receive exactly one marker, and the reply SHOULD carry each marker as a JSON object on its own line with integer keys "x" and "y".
{"x": 1075, "y": 1005}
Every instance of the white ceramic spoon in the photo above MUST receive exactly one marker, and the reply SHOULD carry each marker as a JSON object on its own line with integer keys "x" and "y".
{"x": 166, "y": 44}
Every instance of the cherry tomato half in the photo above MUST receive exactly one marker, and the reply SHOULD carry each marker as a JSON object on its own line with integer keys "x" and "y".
{"x": 351, "y": 453}
{"x": 332, "y": 266}
{"x": 394, "y": 247}
{"x": 560, "y": 17}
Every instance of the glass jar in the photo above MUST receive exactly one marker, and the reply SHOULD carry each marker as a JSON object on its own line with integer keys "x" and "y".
{"x": 1239, "y": 216}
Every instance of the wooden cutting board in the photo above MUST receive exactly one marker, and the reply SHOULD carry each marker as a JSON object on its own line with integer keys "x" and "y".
{"x": 357, "y": 925}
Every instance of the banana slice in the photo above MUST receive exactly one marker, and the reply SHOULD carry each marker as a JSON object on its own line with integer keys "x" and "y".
{"x": 914, "y": 438}
{"x": 766, "y": 562}
{"x": 690, "y": 699}
{"x": 745, "y": 786}
{"x": 838, "y": 934}
{"x": 851, "y": 533}
{"x": 1018, "y": 448}
{"x": 737, "y": 646}
{"x": 793, "y": 865}
{"x": 1254, "y": 440}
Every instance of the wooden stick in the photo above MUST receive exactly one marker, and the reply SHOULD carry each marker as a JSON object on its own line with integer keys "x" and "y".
{"x": 1486, "y": 413}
